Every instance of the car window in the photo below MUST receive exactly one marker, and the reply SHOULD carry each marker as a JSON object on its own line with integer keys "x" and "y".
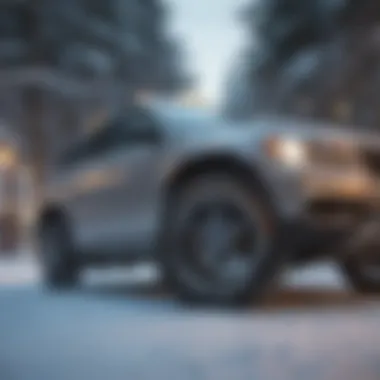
{"x": 134, "y": 127}
{"x": 74, "y": 153}
{"x": 124, "y": 130}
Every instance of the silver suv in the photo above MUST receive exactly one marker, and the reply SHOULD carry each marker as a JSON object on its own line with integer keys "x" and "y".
{"x": 220, "y": 206}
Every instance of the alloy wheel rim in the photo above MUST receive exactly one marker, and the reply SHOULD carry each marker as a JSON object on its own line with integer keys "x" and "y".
{"x": 221, "y": 246}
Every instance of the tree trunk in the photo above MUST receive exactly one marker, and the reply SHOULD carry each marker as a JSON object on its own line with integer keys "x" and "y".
{"x": 33, "y": 130}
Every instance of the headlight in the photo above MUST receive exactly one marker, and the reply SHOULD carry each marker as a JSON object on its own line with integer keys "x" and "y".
{"x": 295, "y": 153}
{"x": 289, "y": 151}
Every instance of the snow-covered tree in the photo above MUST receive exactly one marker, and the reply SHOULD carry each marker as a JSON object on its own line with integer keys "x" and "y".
{"x": 318, "y": 58}
{"x": 123, "y": 39}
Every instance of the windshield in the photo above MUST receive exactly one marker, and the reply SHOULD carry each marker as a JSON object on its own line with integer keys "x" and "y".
{"x": 184, "y": 116}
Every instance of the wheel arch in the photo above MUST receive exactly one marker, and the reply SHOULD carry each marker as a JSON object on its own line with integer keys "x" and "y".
{"x": 246, "y": 173}
{"x": 50, "y": 213}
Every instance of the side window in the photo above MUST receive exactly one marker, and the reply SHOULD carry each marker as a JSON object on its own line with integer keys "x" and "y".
{"x": 73, "y": 154}
{"x": 127, "y": 130}
{"x": 136, "y": 128}
{"x": 89, "y": 146}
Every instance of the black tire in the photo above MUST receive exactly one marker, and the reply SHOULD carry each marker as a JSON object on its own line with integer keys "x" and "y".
{"x": 58, "y": 260}
{"x": 355, "y": 270}
{"x": 261, "y": 272}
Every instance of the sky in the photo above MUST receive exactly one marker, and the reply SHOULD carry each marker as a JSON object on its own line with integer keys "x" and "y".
{"x": 212, "y": 36}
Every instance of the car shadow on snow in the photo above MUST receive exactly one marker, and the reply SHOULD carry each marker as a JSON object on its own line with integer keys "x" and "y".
{"x": 321, "y": 299}
{"x": 285, "y": 298}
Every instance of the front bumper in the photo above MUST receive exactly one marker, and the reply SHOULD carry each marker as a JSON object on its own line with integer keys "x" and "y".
{"x": 297, "y": 194}
{"x": 346, "y": 185}
{"x": 326, "y": 207}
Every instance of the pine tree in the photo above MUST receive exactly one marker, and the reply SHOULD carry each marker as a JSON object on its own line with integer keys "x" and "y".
{"x": 14, "y": 44}
{"x": 123, "y": 39}
{"x": 319, "y": 58}
{"x": 74, "y": 60}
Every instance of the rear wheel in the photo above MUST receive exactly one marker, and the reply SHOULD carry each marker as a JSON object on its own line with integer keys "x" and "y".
{"x": 222, "y": 242}
{"x": 59, "y": 263}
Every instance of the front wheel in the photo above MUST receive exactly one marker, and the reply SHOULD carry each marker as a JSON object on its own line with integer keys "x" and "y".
{"x": 221, "y": 242}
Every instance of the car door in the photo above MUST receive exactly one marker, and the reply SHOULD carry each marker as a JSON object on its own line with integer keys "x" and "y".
{"x": 83, "y": 181}
{"x": 127, "y": 181}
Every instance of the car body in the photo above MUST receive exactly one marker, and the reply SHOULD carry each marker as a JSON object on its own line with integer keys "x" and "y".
{"x": 114, "y": 189}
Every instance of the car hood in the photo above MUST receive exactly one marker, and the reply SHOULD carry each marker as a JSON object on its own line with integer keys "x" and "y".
{"x": 299, "y": 128}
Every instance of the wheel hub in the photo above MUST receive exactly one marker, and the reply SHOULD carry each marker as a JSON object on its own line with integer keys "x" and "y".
{"x": 225, "y": 243}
